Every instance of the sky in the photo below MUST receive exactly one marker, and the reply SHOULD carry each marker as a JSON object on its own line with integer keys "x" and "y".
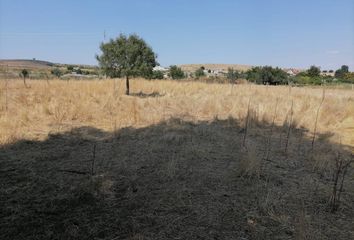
{"x": 284, "y": 33}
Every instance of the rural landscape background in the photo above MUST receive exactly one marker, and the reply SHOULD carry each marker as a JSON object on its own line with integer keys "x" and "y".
{"x": 133, "y": 145}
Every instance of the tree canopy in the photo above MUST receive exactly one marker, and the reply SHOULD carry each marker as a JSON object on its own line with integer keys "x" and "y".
{"x": 267, "y": 75}
{"x": 340, "y": 73}
{"x": 314, "y": 71}
{"x": 127, "y": 56}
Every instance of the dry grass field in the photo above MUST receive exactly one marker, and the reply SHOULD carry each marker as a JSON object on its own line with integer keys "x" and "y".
{"x": 175, "y": 160}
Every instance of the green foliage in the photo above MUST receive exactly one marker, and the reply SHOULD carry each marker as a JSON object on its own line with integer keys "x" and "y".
{"x": 199, "y": 72}
{"x": 306, "y": 78}
{"x": 79, "y": 71}
{"x": 176, "y": 72}
{"x": 348, "y": 77}
{"x": 232, "y": 75}
{"x": 126, "y": 56}
{"x": 157, "y": 75}
{"x": 267, "y": 75}
{"x": 314, "y": 72}
{"x": 56, "y": 72}
{"x": 24, "y": 73}
{"x": 70, "y": 68}
{"x": 340, "y": 73}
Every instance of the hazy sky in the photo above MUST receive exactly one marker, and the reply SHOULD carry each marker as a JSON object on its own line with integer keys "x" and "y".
{"x": 284, "y": 33}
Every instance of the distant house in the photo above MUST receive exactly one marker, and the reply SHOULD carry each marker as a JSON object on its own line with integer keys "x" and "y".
{"x": 159, "y": 68}
{"x": 215, "y": 72}
{"x": 327, "y": 73}
{"x": 292, "y": 71}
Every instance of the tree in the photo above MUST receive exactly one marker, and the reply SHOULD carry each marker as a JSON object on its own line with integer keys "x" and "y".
{"x": 340, "y": 73}
{"x": 24, "y": 73}
{"x": 314, "y": 71}
{"x": 267, "y": 75}
{"x": 57, "y": 72}
{"x": 70, "y": 68}
{"x": 126, "y": 56}
{"x": 79, "y": 71}
{"x": 199, "y": 72}
{"x": 176, "y": 72}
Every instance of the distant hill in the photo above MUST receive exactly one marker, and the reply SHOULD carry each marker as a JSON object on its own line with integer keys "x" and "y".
{"x": 224, "y": 67}
{"x": 28, "y": 64}
{"x": 36, "y": 64}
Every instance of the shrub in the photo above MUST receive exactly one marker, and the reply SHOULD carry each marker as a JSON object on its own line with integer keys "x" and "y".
{"x": 232, "y": 75}
{"x": 199, "y": 72}
{"x": 56, "y": 72}
{"x": 70, "y": 68}
{"x": 157, "y": 75}
{"x": 176, "y": 72}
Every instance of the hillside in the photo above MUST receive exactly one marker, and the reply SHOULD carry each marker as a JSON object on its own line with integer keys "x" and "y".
{"x": 36, "y": 64}
{"x": 23, "y": 63}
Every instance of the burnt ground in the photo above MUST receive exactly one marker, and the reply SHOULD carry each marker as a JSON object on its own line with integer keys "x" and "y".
{"x": 174, "y": 180}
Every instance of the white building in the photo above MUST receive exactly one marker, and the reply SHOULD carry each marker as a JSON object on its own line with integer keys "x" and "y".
{"x": 159, "y": 68}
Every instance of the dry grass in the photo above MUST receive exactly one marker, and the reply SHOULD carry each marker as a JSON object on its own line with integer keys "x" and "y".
{"x": 80, "y": 160}
{"x": 33, "y": 113}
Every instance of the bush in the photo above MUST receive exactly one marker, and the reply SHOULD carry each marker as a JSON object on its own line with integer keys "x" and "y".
{"x": 232, "y": 75}
{"x": 70, "y": 68}
{"x": 157, "y": 75}
{"x": 176, "y": 72}
{"x": 199, "y": 72}
{"x": 348, "y": 77}
{"x": 56, "y": 72}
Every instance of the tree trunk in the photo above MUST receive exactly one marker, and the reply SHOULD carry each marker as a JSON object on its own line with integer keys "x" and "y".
{"x": 24, "y": 81}
{"x": 127, "y": 84}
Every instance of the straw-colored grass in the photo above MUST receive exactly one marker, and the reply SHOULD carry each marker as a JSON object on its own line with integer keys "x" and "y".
{"x": 33, "y": 113}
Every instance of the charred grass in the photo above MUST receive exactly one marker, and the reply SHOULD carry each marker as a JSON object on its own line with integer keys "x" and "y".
{"x": 176, "y": 179}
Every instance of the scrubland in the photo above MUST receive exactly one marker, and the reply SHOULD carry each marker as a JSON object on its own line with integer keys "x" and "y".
{"x": 175, "y": 160}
